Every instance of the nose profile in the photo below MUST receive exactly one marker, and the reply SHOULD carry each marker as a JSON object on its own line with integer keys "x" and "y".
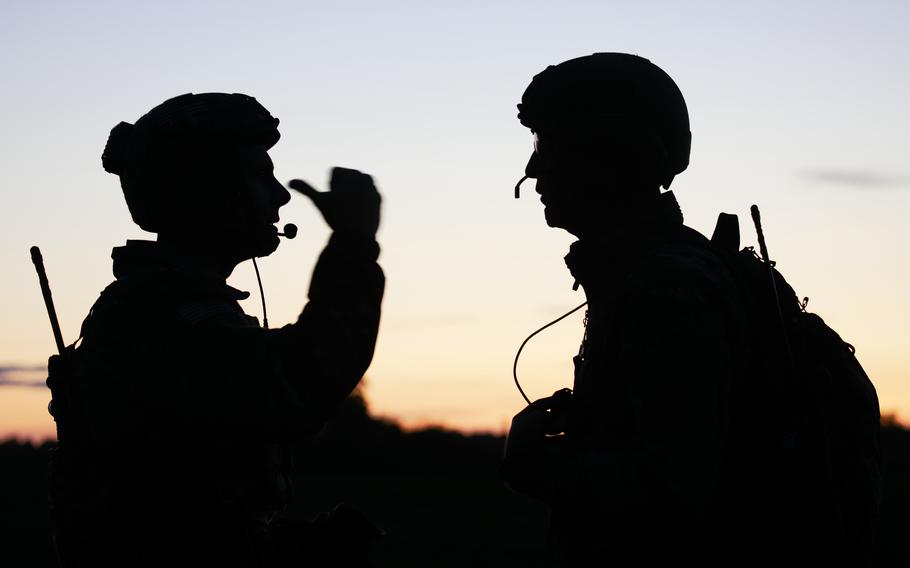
{"x": 281, "y": 194}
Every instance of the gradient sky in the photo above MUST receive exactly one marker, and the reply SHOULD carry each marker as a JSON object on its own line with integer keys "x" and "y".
{"x": 799, "y": 107}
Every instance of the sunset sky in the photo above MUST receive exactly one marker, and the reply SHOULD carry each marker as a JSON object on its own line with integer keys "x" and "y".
{"x": 802, "y": 108}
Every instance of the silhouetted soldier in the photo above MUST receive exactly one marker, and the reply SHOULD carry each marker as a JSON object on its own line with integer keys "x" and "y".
{"x": 637, "y": 479}
{"x": 181, "y": 407}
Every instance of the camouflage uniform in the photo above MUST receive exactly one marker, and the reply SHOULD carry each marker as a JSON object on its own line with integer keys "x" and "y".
{"x": 188, "y": 407}
{"x": 642, "y": 461}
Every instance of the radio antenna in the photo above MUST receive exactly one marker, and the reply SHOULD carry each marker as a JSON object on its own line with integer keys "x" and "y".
{"x": 756, "y": 218}
{"x": 48, "y": 299}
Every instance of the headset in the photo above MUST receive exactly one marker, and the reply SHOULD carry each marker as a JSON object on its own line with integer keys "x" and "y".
{"x": 290, "y": 231}
{"x": 525, "y": 342}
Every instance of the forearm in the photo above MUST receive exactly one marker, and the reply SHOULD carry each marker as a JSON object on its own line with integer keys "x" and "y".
{"x": 328, "y": 350}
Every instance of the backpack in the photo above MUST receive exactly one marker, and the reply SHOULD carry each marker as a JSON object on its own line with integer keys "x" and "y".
{"x": 804, "y": 432}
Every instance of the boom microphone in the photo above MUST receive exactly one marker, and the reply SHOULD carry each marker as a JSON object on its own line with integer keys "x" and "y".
{"x": 518, "y": 186}
{"x": 290, "y": 231}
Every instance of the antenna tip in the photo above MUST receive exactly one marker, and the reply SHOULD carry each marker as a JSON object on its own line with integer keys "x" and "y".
{"x": 755, "y": 213}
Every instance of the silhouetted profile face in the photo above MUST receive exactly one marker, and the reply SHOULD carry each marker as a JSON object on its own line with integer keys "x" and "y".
{"x": 565, "y": 182}
{"x": 610, "y": 130}
{"x": 588, "y": 186}
{"x": 266, "y": 194}
{"x": 246, "y": 198}
{"x": 195, "y": 169}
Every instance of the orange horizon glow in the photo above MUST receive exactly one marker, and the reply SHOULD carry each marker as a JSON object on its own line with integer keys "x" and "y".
{"x": 26, "y": 426}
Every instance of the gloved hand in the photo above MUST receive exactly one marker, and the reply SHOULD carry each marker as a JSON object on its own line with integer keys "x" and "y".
{"x": 533, "y": 448}
{"x": 351, "y": 206}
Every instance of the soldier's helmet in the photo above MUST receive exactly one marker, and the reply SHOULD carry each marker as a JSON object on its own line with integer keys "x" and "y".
{"x": 612, "y": 102}
{"x": 169, "y": 160}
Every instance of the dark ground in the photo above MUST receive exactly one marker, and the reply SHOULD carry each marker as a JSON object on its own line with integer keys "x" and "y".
{"x": 436, "y": 493}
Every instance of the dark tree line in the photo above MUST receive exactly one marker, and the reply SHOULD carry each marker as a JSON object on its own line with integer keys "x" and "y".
{"x": 430, "y": 489}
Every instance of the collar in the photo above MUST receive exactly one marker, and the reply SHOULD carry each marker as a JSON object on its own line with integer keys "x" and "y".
{"x": 146, "y": 258}
{"x": 590, "y": 261}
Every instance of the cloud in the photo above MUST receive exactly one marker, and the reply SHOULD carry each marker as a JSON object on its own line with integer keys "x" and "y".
{"x": 856, "y": 179}
{"x": 23, "y": 375}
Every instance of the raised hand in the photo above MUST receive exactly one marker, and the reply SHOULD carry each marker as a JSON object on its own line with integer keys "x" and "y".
{"x": 350, "y": 206}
